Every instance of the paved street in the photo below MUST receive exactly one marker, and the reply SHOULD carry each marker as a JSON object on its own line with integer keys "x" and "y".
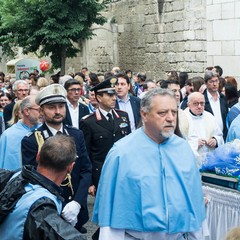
{"x": 90, "y": 226}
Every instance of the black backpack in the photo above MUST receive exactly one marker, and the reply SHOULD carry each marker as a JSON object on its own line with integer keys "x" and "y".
{"x": 11, "y": 191}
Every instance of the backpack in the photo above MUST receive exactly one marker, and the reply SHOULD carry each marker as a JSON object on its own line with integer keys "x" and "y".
{"x": 11, "y": 193}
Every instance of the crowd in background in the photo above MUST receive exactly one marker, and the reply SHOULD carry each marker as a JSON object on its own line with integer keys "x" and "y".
{"x": 208, "y": 106}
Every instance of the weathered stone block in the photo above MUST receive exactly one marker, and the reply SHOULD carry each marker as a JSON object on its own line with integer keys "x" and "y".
{"x": 178, "y": 26}
{"x": 177, "y": 5}
{"x": 151, "y": 38}
{"x": 154, "y": 28}
{"x": 201, "y": 34}
{"x": 151, "y": 19}
{"x": 189, "y": 35}
{"x": 152, "y": 48}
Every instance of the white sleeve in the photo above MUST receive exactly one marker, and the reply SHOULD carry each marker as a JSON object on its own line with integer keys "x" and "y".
{"x": 107, "y": 233}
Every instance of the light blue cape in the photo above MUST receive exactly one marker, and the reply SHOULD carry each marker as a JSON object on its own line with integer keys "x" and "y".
{"x": 150, "y": 187}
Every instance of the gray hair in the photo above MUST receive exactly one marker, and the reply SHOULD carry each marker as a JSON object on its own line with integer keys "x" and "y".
{"x": 52, "y": 158}
{"x": 26, "y": 103}
{"x": 209, "y": 74}
{"x": 193, "y": 95}
{"x": 148, "y": 97}
{"x": 16, "y": 83}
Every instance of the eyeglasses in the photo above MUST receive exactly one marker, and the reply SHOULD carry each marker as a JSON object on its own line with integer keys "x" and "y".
{"x": 37, "y": 109}
{"x": 213, "y": 81}
{"x": 196, "y": 104}
{"x": 74, "y": 90}
{"x": 22, "y": 90}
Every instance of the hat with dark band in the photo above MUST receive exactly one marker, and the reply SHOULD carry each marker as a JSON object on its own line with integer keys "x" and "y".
{"x": 107, "y": 86}
{"x": 54, "y": 93}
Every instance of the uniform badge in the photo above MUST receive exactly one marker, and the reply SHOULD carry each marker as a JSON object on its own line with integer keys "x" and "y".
{"x": 113, "y": 82}
{"x": 45, "y": 133}
{"x": 124, "y": 119}
{"x": 123, "y": 125}
{"x": 56, "y": 90}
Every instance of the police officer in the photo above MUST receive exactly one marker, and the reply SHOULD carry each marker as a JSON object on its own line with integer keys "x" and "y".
{"x": 52, "y": 101}
{"x": 104, "y": 127}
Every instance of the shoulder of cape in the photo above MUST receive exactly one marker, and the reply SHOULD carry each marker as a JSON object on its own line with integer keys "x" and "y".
{"x": 88, "y": 116}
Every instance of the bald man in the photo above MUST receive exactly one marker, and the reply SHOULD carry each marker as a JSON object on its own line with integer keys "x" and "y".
{"x": 204, "y": 134}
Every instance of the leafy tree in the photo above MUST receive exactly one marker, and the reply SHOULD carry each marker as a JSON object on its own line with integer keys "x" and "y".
{"x": 49, "y": 27}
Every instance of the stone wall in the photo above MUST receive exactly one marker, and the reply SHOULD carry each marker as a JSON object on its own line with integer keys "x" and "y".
{"x": 150, "y": 35}
{"x": 223, "y": 35}
{"x": 161, "y": 35}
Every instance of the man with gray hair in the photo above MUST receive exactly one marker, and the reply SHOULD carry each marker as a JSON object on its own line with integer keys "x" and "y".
{"x": 215, "y": 102}
{"x": 21, "y": 90}
{"x": 155, "y": 192}
{"x": 10, "y": 142}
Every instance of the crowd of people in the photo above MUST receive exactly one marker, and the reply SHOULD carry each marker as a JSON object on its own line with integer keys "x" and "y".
{"x": 120, "y": 137}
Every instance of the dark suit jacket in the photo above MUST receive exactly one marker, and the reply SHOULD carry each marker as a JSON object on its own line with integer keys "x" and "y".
{"x": 83, "y": 111}
{"x": 135, "y": 103}
{"x": 100, "y": 136}
{"x": 7, "y": 113}
{"x": 81, "y": 173}
{"x": 224, "y": 110}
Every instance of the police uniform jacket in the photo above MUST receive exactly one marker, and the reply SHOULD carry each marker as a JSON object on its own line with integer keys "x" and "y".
{"x": 81, "y": 173}
{"x": 100, "y": 136}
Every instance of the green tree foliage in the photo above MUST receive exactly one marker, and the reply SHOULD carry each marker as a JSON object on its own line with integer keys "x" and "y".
{"x": 49, "y": 27}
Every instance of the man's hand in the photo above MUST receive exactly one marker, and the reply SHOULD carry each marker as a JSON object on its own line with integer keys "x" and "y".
{"x": 212, "y": 143}
{"x": 70, "y": 212}
{"x": 92, "y": 190}
{"x": 201, "y": 142}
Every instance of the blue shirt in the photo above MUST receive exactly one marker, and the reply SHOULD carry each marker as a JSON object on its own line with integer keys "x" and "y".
{"x": 10, "y": 145}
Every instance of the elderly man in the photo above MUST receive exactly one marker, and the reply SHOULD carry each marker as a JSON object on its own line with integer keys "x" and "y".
{"x": 32, "y": 198}
{"x": 204, "y": 134}
{"x": 21, "y": 90}
{"x": 153, "y": 191}
{"x": 52, "y": 101}
{"x": 10, "y": 141}
{"x": 215, "y": 103}
{"x": 174, "y": 86}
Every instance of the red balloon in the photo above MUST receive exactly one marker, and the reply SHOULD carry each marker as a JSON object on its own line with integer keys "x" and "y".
{"x": 44, "y": 65}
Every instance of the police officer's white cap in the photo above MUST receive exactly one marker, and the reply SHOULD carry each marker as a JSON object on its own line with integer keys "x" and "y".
{"x": 54, "y": 93}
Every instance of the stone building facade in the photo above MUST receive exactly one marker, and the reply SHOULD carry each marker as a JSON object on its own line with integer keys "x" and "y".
{"x": 161, "y": 35}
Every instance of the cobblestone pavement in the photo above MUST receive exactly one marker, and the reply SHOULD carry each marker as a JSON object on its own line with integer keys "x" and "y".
{"x": 91, "y": 227}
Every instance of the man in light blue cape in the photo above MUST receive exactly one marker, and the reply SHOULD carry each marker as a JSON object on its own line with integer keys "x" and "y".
{"x": 234, "y": 130}
{"x": 10, "y": 141}
{"x": 150, "y": 186}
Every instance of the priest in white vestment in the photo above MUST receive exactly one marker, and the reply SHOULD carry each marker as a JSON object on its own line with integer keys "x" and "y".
{"x": 204, "y": 134}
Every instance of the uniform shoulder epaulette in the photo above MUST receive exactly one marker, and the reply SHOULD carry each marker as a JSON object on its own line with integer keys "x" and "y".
{"x": 119, "y": 110}
{"x": 29, "y": 134}
{"x": 87, "y": 116}
{"x": 69, "y": 126}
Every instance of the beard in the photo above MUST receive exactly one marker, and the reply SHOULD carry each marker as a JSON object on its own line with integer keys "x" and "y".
{"x": 167, "y": 134}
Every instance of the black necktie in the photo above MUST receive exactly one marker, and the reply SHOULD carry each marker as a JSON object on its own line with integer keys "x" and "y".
{"x": 110, "y": 118}
{"x": 59, "y": 133}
